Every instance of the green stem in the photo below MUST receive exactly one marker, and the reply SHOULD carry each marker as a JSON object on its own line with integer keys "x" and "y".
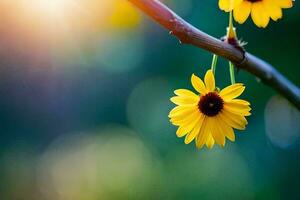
{"x": 230, "y": 19}
{"x": 231, "y": 34}
{"x": 232, "y": 76}
{"x": 214, "y": 63}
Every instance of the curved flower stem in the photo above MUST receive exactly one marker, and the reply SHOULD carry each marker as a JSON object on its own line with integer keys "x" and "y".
{"x": 230, "y": 20}
{"x": 231, "y": 70}
{"x": 231, "y": 33}
{"x": 214, "y": 63}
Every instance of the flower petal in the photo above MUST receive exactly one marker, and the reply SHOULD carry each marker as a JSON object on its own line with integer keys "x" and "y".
{"x": 202, "y": 136}
{"x": 181, "y": 101}
{"x": 228, "y": 5}
{"x": 185, "y": 120}
{"x": 182, "y": 111}
{"x": 232, "y": 91}
{"x": 284, "y": 3}
{"x": 226, "y": 129}
{"x": 216, "y": 132}
{"x": 259, "y": 15}
{"x": 186, "y": 93}
{"x": 238, "y": 118}
{"x": 237, "y": 108}
{"x": 240, "y": 101}
{"x": 198, "y": 84}
{"x": 184, "y": 130}
{"x": 181, "y": 131}
{"x": 273, "y": 9}
{"x": 242, "y": 12}
{"x": 233, "y": 120}
{"x": 210, "y": 141}
{"x": 187, "y": 126}
{"x": 193, "y": 134}
{"x": 225, "y": 5}
{"x": 237, "y": 111}
{"x": 209, "y": 80}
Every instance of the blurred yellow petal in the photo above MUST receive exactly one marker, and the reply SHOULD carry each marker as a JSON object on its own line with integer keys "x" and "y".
{"x": 261, "y": 11}
{"x": 180, "y": 111}
{"x": 235, "y": 121}
{"x": 237, "y": 108}
{"x": 242, "y": 12}
{"x": 193, "y": 134}
{"x": 203, "y": 134}
{"x": 232, "y": 91}
{"x": 274, "y": 10}
{"x": 216, "y": 132}
{"x": 237, "y": 117}
{"x": 228, "y": 5}
{"x": 181, "y": 131}
{"x": 259, "y": 15}
{"x": 210, "y": 141}
{"x": 185, "y": 120}
{"x": 227, "y": 130}
{"x": 284, "y": 3}
{"x": 181, "y": 101}
{"x": 240, "y": 101}
{"x": 198, "y": 84}
{"x": 187, "y": 127}
{"x": 209, "y": 80}
{"x": 236, "y": 111}
{"x": 225, "y": 5}
{"x": 186, "y": 93}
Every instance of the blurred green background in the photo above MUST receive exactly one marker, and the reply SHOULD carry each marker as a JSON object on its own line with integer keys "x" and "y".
{"x": 84, "y": 100}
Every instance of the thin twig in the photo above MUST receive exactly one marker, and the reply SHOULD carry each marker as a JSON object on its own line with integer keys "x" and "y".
{"x": 188, "y": 34}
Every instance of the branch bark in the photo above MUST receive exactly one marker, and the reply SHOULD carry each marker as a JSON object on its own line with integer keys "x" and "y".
{"x": 188, "y": 34}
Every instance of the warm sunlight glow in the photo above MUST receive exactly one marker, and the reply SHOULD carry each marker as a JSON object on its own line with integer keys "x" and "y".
{"x": 65, "y": 18}
{"x": 53, "y": 8}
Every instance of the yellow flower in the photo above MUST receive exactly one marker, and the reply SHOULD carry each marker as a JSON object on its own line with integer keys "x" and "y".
{"x": 261, "y": 10}
{"x": 209, "y": 117}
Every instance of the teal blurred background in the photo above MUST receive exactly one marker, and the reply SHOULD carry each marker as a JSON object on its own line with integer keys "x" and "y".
{"x": 84, "y": 100}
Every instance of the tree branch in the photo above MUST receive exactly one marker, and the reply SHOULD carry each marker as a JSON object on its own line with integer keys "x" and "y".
{"x": 188, "y": 34}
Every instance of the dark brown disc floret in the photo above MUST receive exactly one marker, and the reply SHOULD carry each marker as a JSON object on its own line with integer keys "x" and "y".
{"x": 211, "y": 104}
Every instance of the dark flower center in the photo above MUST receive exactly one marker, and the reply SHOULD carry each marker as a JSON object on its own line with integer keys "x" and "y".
{"x": 211, "y": 104}
{"x": 254, "y": 0}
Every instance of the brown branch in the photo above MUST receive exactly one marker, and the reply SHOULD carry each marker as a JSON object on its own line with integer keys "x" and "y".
{"x": 188, "y": 34}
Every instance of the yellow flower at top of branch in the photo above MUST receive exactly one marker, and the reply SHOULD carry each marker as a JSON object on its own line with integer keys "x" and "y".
{"x": 211, "y": 116}
{"x": 261, "y": 11}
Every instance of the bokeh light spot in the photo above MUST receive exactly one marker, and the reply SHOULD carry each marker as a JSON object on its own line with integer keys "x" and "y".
{"x": 147, "y": 110}
{"x": 214, "y": 174}
{"x": 282, "y": 122}
{"x": 103, "y": 166}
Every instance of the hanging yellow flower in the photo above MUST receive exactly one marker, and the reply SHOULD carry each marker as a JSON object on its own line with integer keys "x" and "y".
{"x": 211, "y": 116}
{"x": 261, "y": 10}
